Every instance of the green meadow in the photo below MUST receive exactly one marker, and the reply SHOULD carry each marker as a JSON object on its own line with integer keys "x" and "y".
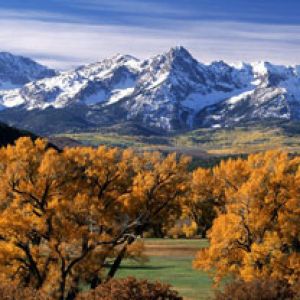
{"x": 170, "y": 261}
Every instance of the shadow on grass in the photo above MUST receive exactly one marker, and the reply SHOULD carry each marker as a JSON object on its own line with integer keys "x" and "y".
{"x": 144, "y": 267}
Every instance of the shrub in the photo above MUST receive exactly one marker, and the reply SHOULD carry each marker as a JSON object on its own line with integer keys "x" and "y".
{"x": 131, "y": 289}
{"x": 262, "y": 289}
{"x": 13, "y": 292}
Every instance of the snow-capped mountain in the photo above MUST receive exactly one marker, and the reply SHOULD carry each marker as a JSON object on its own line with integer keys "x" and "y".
{"x": 90, "y": 84}
{"x": 272, "y": 94}
{"x": 15, "y": 71}
{"x": 168, "y": 92}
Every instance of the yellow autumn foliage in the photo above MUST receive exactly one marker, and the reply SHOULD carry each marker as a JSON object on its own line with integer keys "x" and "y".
{"x": 257, "y": 230}
{"x": 65, "y": 215}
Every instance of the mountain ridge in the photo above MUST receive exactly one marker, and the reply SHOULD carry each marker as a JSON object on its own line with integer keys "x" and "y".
{"x": 168, "y": 92}
{"x": 16, "y": 70}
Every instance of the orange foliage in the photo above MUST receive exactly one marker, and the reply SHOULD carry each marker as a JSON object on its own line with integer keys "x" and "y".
{"x": 200, "y": 205}
{"x": 257, "y": 231}
{"x": 262, "y": 289}
{"x": 133, "y": 289}
{"x": 64, "y": 215}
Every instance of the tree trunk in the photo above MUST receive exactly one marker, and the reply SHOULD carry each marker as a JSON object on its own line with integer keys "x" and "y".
{"x": 157, "y": 231}
{"x": 119, "y": 258}
{"x": 74, "y": 290}
{"x": 117, "y": 263}
{"x": 96, "y": 280}
{"x": 62, "y": 287}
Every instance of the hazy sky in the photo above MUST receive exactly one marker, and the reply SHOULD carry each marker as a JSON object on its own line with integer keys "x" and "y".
{"x": 64, "y": 33}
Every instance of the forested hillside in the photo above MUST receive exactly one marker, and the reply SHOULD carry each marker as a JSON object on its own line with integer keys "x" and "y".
{"x": 8, "y": 135}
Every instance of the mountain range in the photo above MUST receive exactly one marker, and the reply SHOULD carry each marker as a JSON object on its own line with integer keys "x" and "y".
{"x": 170, "y": 92}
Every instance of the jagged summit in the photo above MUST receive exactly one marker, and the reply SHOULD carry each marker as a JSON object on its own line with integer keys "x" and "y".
{"x": 170, "y": 91}
{"x": 15, "y": 71}
{"x": 174, "y": 56}
{"x": 179, "y": 51}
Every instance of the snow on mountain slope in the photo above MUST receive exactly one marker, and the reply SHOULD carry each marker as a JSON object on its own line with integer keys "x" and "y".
{"x": 169, "y": 91}
{"x": 173, "y": 87}
{"x": 15, "y": 71}
{"x": 89, "y": 84}
{"x": 275, "y": 94}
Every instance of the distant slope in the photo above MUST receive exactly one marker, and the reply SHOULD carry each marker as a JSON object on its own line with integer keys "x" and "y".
{"x": 244, "y": 139}
{"x": 8, "y": 135}
{"x": 63, "y": 142}
{"x": 207, "y": 141}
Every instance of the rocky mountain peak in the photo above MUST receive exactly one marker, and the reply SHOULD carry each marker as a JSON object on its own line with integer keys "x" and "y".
{"x": 169, "y": 91}
{"x": 179, "y": 52}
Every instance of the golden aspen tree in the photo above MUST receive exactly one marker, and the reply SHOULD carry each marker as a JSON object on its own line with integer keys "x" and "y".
{"x": 64, "y": 215}
{"x": 199, "y": 206}
{"x": 257, "y": 234}
{"x": 158, "y": 187}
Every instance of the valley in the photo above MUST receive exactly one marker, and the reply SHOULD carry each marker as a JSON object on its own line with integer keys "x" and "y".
{"x": 204, "y": 142}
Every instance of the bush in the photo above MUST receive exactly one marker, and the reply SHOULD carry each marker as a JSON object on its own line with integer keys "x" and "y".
{"x": 131, "y": 289}
{"x": 13, "y": 292}
{"x": 262, "y": 289}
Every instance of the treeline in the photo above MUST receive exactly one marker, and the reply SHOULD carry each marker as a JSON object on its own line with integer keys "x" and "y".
{"x": 68, "y": 219}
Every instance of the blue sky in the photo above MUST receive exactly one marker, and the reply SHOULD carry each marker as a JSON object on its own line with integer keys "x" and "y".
{"x": 64, "y": 33}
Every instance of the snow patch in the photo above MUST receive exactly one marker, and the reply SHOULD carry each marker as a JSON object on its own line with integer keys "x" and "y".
{"x": 119, "y": 94}
{"x": 235, "y": 99}
{"x": 158, "y": 81}
{"x": 197, "y": 101}
{"x": 121, "y": 90}
{"x": 11, "y": 98}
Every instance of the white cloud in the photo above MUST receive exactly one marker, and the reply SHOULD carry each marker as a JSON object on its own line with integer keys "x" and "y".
{"x": 64, "y": 45}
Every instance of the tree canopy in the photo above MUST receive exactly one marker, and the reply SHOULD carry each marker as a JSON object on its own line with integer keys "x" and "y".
{"x": 65, "y": 215}
{"x": 256, "y": 233}
{"x": 69, "y": 218}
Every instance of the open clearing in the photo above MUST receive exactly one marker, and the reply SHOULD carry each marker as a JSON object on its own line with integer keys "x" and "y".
{"x": 205, "y": 143}
{"x": 170, "y": 261}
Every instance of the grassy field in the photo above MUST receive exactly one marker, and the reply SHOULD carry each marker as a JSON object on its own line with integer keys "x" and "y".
{"x": 205, "y": 143}
{"x": 240, "y": 140}
{"x": 170, "y": 261}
